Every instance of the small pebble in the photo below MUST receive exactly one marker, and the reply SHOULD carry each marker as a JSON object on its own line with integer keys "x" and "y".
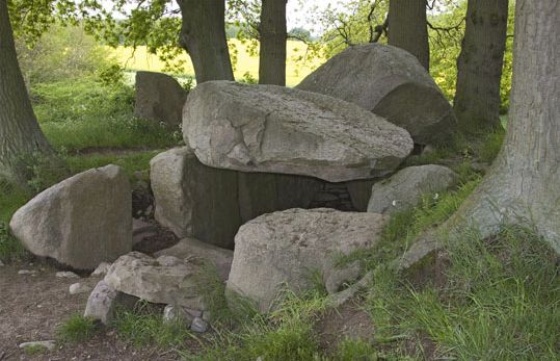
{"x": 173, "y": 314}
{"x": 26, "y": 272}
{"x": 76, "y": 288}
{"x": 1, "y": 263}
{"x": 49, "y": 345}
{"x": 66, "y": 274}
{"x": 199, "y": 325}
{"x": 101, "y": 269}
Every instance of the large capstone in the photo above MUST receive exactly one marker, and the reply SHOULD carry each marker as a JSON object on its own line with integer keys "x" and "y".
{"x": 390, "y": 82}
{"x": 273, "y": 129}
{"x": 81, "y": 221}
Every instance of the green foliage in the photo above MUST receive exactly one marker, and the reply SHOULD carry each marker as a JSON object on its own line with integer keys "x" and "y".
{"x": 285, "y": 334}
{"x": 76, "y": 329}
{"x": 61, "y": 53}
{"x": 80, "y": 115}
{"x": 355, "y": 25}
{"x": 10, "y": 248}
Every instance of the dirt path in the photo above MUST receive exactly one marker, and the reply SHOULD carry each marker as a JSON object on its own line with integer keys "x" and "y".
{"x": 33, "y": 305}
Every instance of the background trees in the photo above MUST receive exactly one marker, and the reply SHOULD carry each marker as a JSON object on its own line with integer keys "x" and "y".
{"x": 20, "y": 136}
{"x": 521, "y": 188}
{"x": 408, "y": 28}
{"x": 479, "y": 66}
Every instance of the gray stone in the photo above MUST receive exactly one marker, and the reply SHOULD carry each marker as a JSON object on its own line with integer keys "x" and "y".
{"x": 273, "y": 129}
{"x": 26, "y": 272}
{"x": 177, "y": 315}
{"x": 199, "y": 325}
{"x": 81, "y": 221}
{"x": 159, "y": 98}
{"x": 77, "y": 288}
{"x": 47, "y": 345}
{"x": 101, "y": 269}
{"x": 288, "y": 247}
{"x": 104, "y": 300}
{"x": 406, "y": 188}
{"x": 189, "y": 248}
{"x": 344, "y": 277}
{"x": 142, "y": 230}
{"x": 391, "y": 83}
{"x": 261, "y": 193}
{"x": 194, "y": 200}
{"x": 167, "y": 279}
{"x": 66, "y": 274}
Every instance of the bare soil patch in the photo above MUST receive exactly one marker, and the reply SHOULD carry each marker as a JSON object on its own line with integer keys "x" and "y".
{"x": 33, "y": 306}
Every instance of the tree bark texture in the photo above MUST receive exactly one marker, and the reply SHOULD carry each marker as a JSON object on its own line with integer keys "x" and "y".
{"x": 273, "y": 38}
{"x": 20, "y": 135}
{"x": 203, "y": 36}
{"x": 408, "y": 28}
{"x": 479, "y": 66}
{"x": 523, "y": 185}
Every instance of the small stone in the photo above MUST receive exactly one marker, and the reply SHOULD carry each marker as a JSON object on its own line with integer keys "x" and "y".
{"x": 101, "y": 269}
{"x": 76, "y": 288}
{"x": 199, "y": 325}
{"x": 24, "y": 272}
{"x": 1, "y": 263}
{"x": 49, "y": 344}
{"x": 207, "y": 316}
{"x": 176, "y": 314}
{"x": 193, "y": 312}
{"x": 66, "y": 274}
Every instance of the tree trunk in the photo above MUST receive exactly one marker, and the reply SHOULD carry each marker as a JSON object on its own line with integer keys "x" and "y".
{"x": 273, "y": 37}
{"x": 203, "y": 36}
{"x": 20, "y": 135}
{"x": 408, "y": 28}
{"x": 522, "y": 187}
{"x": 479, "y": 66}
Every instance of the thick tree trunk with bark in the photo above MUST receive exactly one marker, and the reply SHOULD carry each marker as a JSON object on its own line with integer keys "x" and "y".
{"x": 203, "y": 36}
{"x": 522, "y": 187}
{"x": 273, "y": 38}
{"x": 20, "y": 135}
{"x": 408, "y": 28}
{"x": 479, "y": 66}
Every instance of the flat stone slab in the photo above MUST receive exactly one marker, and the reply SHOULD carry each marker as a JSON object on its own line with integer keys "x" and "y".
{"x": 273, "y": 129}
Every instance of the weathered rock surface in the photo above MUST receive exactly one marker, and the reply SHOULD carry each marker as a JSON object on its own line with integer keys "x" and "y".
{"x": 288, "y": 247}
{"x": 405, "y": 189}
{"x": 104, "y": 300}
{"x": 193, "y": 200}
{"x": 160, "y": 98}
{"x": 81, "y": 221}
{"x": 391, "y": 83}
{"x": 273, "y": 129}
{"x": 261, "y": 193}
{"x": 188, "y": 248}
{"x": 167, "y": 279}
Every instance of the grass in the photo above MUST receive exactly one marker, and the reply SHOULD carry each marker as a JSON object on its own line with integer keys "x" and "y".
{"x": 246, "y": 62}
{"x": 87, "y": 115}
{"x": 144, "y": 326}
{"x": 76, "y": 329}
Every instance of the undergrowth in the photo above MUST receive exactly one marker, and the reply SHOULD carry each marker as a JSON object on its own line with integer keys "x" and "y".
{"x": 76, "y": 329}
{"x": 85, "y": 115}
